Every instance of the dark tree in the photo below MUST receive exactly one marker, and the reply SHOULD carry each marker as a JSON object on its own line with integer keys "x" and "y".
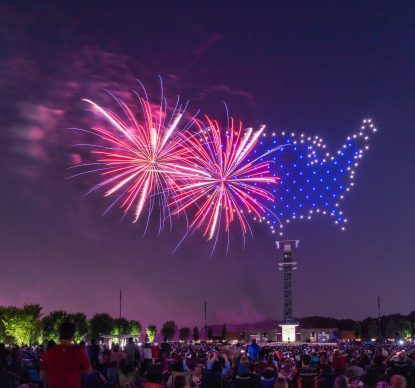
{"x": 2, "y": 332}
{"x": 196, "y": 335}
{"x": 151, "y": 332}
{"x": 50, "y": 324}
{"x": 373, "y": 329}
{"x": 357, "y": 329}
{"x": 184, "y": 333}
{"x": 224, "y": 332}
{"x": 22, "y": 325}
{"x": 135, "y": 328}
{"x": 321, "y": 322}
{"x": 100, "y": 324}
{"x": 121, "y": 326}
{"x": 210, "y": 333}
{"x": 405, "y": 329}
{"x": 346, "y": 324}
{"x": 411, "y": 317}
{"x": 81, "y": 323}
{"x": 168, "y": 330}
{"x": 390, "y": 329}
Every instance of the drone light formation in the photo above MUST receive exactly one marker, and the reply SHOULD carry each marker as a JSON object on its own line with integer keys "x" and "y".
{"x": 224, "y": 186}
{"x": 313, "y": 181}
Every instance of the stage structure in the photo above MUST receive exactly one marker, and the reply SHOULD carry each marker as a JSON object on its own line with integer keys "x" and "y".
{"x": 288, "y": 266}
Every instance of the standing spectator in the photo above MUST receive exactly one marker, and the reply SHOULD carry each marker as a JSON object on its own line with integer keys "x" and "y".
{"x": 3, "y": 356}
{"x": 399, "y": 365}
{"x": 93, "y": 353}
{"x": 287, "y": 372}
{"x": 165, "y": 349}
{"x": 147, "y": 357}
{"x": 307, "y": 377}
{"x": 15, "y": 360}
{"x": 155, "y": 352}
{"x": 326, "y": 373}
{"x": 339, "y": 362}
{"x": 130, "y": 353}
{"x": 117, "y": 355}
{"x": 62, "y": 365}
{"x": 106, "y": 356}
{"x": 253, "y": 350}
{"x": 376, "y": 373}
{"x": 354, "y": 374}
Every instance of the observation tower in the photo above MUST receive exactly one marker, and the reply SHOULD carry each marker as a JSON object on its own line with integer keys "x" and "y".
{"x": 288, "y": 266}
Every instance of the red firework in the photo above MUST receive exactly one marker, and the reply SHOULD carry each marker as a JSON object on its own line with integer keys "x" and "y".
{"x": 224, "y": 181}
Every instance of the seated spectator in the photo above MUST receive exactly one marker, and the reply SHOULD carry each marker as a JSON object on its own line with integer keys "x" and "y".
{"x": 7, "y": 379}
{"x": 94, "y": 379}
{"x": 180, "y": 382}
{"x": 268, "y": 378}
{"x": 354, "y": 374}
{"x": 398, "y": 381}
{"x": 399, "y": 364}
{"x": 242, "y": 366}
{"x": 155, "y": 373}
{"x": 197, "y": 376}
{"x": 280, "y": 383}
{"x": 126, "y": 375}
{"x": 212, "y": 378}
{"x": 341, "y": 382}
{"x": 112, "y": 374}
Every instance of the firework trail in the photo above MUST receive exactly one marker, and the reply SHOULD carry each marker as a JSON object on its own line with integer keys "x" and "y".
{"x": 140, "y": 157}
{"x": 225, "y": 184}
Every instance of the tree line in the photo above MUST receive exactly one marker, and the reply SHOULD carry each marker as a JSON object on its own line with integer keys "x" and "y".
{"x": 26, "y": 325}
{"x": 389, "y": 326}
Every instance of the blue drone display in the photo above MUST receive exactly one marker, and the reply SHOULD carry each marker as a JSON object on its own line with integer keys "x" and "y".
{"x": 312, "y": 180}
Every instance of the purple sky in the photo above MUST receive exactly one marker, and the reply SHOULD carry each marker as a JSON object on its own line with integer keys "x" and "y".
{"x": 297, "y": 67}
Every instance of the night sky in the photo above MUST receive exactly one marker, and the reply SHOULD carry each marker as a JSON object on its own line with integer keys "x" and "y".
{"x": 316, "y": 68}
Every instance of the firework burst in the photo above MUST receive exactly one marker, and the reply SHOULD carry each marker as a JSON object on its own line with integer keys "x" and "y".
{"x": 139, "y": 157}
{"x": 225, "y": 178}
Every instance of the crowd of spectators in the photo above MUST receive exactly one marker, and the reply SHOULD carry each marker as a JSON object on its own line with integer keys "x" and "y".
{"x": 206, "y": 365}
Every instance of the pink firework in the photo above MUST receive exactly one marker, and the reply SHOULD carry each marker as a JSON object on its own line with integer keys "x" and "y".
{"x": 140, "y": 157}
{"x": 225, "y": 183}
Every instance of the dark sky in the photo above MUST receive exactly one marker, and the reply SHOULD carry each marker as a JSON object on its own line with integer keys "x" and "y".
{"x": 319, "y": 68}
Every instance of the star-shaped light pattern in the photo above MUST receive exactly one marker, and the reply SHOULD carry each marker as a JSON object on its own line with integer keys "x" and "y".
{"x": 313, "y": 181}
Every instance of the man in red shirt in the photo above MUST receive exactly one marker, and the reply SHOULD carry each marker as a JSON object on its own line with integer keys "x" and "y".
{"x": 62, "y": 365}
